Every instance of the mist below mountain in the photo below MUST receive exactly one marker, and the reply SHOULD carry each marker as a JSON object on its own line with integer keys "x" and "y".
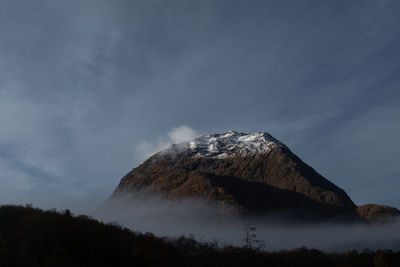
{"x": 203, "y": 221}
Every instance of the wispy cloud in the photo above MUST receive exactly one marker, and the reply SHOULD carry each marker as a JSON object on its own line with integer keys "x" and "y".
{"x": 176, "y": 135}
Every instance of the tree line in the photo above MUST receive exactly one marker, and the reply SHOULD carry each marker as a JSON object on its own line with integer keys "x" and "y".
{"x": 34, "y": 237}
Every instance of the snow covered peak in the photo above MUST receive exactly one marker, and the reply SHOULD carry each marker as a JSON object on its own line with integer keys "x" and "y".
{"x": 231, "y": 144}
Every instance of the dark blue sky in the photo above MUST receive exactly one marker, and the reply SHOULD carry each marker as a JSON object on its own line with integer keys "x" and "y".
{"x": 87, "y": 86}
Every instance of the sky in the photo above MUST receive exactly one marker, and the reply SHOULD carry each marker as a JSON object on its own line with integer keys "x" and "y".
{"x": 89, "y": 88}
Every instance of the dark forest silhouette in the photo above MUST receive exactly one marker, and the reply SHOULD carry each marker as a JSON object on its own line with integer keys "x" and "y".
{"x": 33, "y": 237}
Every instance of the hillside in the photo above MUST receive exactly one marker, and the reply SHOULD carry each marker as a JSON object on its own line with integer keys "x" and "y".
{"x": 377, "y": 213}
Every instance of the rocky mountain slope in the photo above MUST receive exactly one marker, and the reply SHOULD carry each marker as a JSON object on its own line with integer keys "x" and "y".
{"x": 377, "y": 213}
{"x": 255, "y": 173}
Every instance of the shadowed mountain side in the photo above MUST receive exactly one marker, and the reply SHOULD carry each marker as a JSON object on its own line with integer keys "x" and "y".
{"x": 254, "y": 199}
{"x": 257, "y": 198}
{"x": 377, "y": 213}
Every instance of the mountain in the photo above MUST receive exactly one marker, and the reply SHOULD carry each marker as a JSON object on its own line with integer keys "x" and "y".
{"x": 255, "y": 173}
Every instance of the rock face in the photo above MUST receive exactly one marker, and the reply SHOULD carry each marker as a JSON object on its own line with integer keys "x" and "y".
{"x": 377, "y": 213}
{"x": 255, "y": 173}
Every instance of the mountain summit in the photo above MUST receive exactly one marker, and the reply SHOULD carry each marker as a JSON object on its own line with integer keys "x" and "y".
{"x": 254, "y": 173}
{"x": 231, "y": 144}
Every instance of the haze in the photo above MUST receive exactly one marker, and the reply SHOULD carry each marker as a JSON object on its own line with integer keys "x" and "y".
{"x": 204, "y": 221}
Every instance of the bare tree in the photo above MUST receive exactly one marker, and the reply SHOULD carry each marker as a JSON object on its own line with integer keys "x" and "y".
{"x": 250, "y": 240}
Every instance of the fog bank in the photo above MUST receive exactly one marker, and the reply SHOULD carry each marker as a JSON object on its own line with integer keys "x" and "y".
{"x": 206, "y": 223}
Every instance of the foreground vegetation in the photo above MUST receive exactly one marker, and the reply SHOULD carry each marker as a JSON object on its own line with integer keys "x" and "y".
{"x": 33, "y": 237}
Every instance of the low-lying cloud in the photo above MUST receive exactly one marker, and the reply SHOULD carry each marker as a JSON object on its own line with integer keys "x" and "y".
{"x": 206, "y": 223}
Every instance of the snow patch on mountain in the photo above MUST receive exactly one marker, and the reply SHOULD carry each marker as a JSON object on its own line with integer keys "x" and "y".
{"x": 232, "y": 144}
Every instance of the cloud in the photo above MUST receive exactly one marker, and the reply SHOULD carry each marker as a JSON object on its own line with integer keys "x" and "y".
{"x": 176, "y": 135}
{"x": 181, "y": 134}
{"x": 206, "y": 222}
